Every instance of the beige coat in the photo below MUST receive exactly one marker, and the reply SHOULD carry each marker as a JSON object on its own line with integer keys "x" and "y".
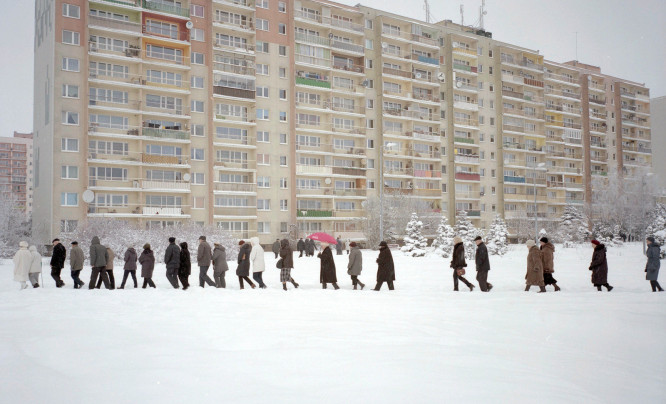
{"x": 109, "y": 262}
{"x": 534, "y": 274}
{"x": 547, "y": 251}
{"x": 22, "y": 261}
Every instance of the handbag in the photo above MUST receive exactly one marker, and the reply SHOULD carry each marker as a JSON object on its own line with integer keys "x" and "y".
{"x": 279, "y": 263}
{"x": 461, "y": 271}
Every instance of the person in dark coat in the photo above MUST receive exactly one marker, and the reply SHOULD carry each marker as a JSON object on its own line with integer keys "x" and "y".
{"x": 220, "y": 266}
{"x": 76, "y": 259}
{"x": 147, "y": 261}
{"x": 58, "y": 262}
{"x": 99, "y": 257}
{"x": 385, "y": 268}
{"x": 287, "y": 258}
{"x": 327, "y": 267}
{"x": 355, "y": 264}
{"x": 599, "y": 266}
{"x": 458, "y": 264}
{"x": 547, "y": 259}
{"x": 653, "y": 254}
{"x": 482, "y": 265}
{"x": 300, "y": 247}
{"x": 534, "y": 275}
{"x": 276, "y": 248}
{"x": 204, "y": 256}
{"x": 185, "y": 266}
{"x": 338, "y": 246}
{"x": 309, "y": 247}
{"x": 130, "y": 267}
{"x": 243, "y": 268}
{"x": 172, "y": 261}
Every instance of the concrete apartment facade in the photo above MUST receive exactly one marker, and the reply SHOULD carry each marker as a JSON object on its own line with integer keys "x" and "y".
{"x": 259, "y": 116}
{"x": 658, "y": 105}
{"x": 16, "y": 170}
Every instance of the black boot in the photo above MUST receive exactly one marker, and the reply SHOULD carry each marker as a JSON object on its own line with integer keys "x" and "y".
{"x": 599, "y": 288}
{"x": 654, "y": 287}
{"x": 284, "y": 286}
{"x": 323, "y": 286}
{"x": 362, "y": 284}
{"x": 294, "y": 283}
{"x": 557, "y": 288}
{"x": 608, "y": 287}
{"x": 527, "y": 288}
{"x": 490, "y": 286}
{"x": 542, "y": 289}
{"x": 471, "y": 287}
{"x": 354, "y": 287}
{"x": 335, "y": 286}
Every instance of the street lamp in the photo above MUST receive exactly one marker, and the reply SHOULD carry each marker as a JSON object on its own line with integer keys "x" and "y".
{"x": 643, "y": 226}
{"x": 381, "y": 189}
{"x": 536, "y": 167}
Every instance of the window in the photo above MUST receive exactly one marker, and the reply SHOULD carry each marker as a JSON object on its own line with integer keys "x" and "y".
{"x": 197, "y": 154}
{"x": 197, "y": 34}
{"x": 492, "y": 121}
{"x": 368, "y": 44}
{"x": 283, "y": 138}
{"x": 283, "y": 94}
{"x": 283, "y": 72}
{"x": 263, "y": 159}
{"x": 198, "y": 179}
{"x": 282, "y": 29}
{"x": 71, "y": 11}
{"x": 283, "y": 161}
{"x": 490, "y": 53}
{"x": 283, "y": 116}
{"x": 282, "y": 50}
{"x": 68, "y": 226}
{"x": 262, "y": 92}
{"x": 70, "y": 173}
{"x": 282, "y": 7}
{"x": 283, "y": 204}
{"x": 262, "y": 113}
{"x": 197, "y": 82}
{"x": 263, "y": 204}
{"x": 369, "y": 103}
{"x": 197, "y": 58}
{"x": 263, "y": 227}
{"x": 70, "y": 37}
{"x": 69, "y": 145}
{"x": 262, "y": 69}
{"x": 490, "y": 71}
{"x": 70, "y": 64}
{"x": 262, "y": 47}
{"x": 283, "y": 182}
{"x": 263, "y": 182}
{"x": 70, "y": 118}
{"x": 262, "y": 25}
{"x": 196, "y": 11}
{"x": 368, "y": 24}
{"x": 370, "y": 123}
{"x": 197, "y": 130}
{"x": 198, "y": 202}
{"x": 69, "y": 199}
{"x": 263, "y": 136}
{"x": 262, "y": 4}
{"x": 70, "y": 91}
{"x": 197, "y": 106}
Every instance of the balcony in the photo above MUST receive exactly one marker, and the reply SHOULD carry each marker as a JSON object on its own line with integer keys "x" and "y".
{"x": 397, "y": 72}
{"x": 157, "y": 32}
{"x": 468, "y": 176}
{"x": 465, "y": 140}
{"x": 333, "y": 22}
{"x": 244, "y": 47}
{"x": 562, "y": 93}
{"x": 236, "y": 69}
{"x": 521, "y": 146}
{"x": 513, "y": 179}
{"x": 165, "y": 185}
{"x": 598, "y": 101}
{"x": 111, "y": 23}
{"x": 166, "y": 8}
{"x": 132, "y": 51}
{"x": 359, "y": 172}
{"x": 465, "y": 68}
{"x": 409, "y": 114}
{"x": 159, "y": 159}
{"x": 234, "y": 92}
{"x": 466, "y": 159}
{"x": 165, "y": 133}
{"x": 427, "y": 174}
{"x": 131, "y": 3}
{"x": 314, "y": 213}
{"x": 235, "y": 187}
{"x": 155, "y": 211}
{"x": 348, "y": 67}
{"x": 346, "y": 46}
{"x": 465, "y": 51}
{"x": 313, "y": 82}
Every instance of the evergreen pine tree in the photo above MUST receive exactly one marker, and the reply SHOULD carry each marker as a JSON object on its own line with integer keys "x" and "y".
{"x": 444, "y": 242}
{"x": 573, "y": 226}
{"x": 467, "y": 232}
{"x": 415, "y": 243}
{"x": 496, "y": 238}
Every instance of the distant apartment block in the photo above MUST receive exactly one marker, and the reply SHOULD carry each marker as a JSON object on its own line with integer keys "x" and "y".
{"x": 16, "y": 170}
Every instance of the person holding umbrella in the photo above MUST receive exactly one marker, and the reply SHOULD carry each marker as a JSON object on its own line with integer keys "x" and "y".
{"x": 385, "y": 268}
{"x": 327, "y": 267}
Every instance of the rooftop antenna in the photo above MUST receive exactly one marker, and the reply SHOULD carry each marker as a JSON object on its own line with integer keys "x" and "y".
{"x": 482, "y": 12}
{"x": 576, "y": 45}
{"x": 426, "y": 7}
{"x": 462, "y": 15}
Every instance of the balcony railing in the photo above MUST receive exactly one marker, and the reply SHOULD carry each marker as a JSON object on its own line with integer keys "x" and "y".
{"x": 427, "y": 174}
{"x": 237, "y": 69}
{"x": 466, "y": 68}
{"x": 513, "y": 179}
{"x": 172, "y": 211}
{"x": 235, "y": 187}
{"x": 166, "y": 8}
{"x": 467, "y": 140}
{"x": 234, "y": 92}
{"x": 313, "y": 82}
{"x": 333, "y": 22}
{"x": 468, "y": 176}
{"x": 314, "y": 213}
{"x": 170, "y": 185}
{"x": 168, "y": 34}
{"x": 114, "y": 24}
{"x": 166, "y": 133}
{"x": 469, "y": 159}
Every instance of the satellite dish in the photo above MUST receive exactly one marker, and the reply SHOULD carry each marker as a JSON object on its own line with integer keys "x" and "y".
{"x": 418, "y": 75}
{"x": 384, "y": 45}
{"x": 327, "y": 181}
{"x": 441, "y": 76}
{"x": 189, "y": 24}
{"x": 459, "y": 84}
{"x": 330, "y": 36}
{"x": 365, "y": 83}
{"x": 364, "y": 162}
{"x": 186, "y": 176}
{"x": 88, "y": 196}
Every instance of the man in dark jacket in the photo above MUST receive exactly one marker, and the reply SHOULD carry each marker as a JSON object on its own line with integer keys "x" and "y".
{"x": 98, "y": 259}
{"x": 338, "y": 246}
{"x": 204, "y": 256}
{"x": 58, "y": 262}
{"x": 76, "y": 264}
{"x": 300, "y": 246}
{"x": 653, "y": 254}
{"x": 172, "y": 261}
{"x": 482, "y": 265}
{"x": 385, "y": 267}
{"x": 276, "y": 247}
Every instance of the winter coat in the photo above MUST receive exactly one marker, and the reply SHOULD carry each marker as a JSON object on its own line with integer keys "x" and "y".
{"x": 458, "y": 256}
{"x": 58, "y": 257}
{"x": 76, "y": 258}
{"x": 599, "y": 265}
{"x": 204, "y": 254}
{"x": 286, "y": 254}
{"x": 172, "y": 256}
{"x": 22, "y": 263}
{"x": 547, "y": 252}
{"x": 220, "y": 260}
{"x": 185, "y": 265}
{"x": 147, "y": 261}
{"x": 109, "y": 261}
{"x": 36, "y": 263}
{"x": 98, "y": 254}
{"x": 481, "y": 258}
{"x": 243, "y": 268}
{"x": 309, "y": 247}
{"x": 130, "y": 259}
{"x": 276, "y": 247}
{"x": 534, "y": 275}
{"x": 385, "y": 268}
{"x": 327, "y": 267}
{"x": 300, "y": 246}
{"x": 355, "y": 265}
{"x": 257, "y": 256}
{"x": 338, "y": 247}
{"x": 652, "y": 267}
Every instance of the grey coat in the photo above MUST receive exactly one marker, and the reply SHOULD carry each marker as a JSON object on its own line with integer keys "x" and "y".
{"x": 172, "y": 256}
{"x": 276, "y": 247}
{"x": 147, "y": 261}
{"x": 652, "y": 267}
{"x": 76, "y": 258}
{"x": 98, "y": 254}
{"x": 204, "y": 254}
{"x": 220, "y": 260}
{"x": 355, "y": 264}
{"x": 243, "y": 268}
{"x": 130, "y": 259}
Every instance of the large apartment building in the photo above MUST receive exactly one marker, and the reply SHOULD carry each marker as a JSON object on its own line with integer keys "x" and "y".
{"x": 16, "y": 170}
{"x": 262, "y": 115}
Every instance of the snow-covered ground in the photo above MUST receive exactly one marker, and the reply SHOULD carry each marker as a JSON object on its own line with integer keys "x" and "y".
{"x": 422, "y": 343}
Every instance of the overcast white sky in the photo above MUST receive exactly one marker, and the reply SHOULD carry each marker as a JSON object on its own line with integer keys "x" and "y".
{"x": 625, "y": 37}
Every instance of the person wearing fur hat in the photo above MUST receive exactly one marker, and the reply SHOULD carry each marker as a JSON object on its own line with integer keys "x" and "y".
{"x": 147, "y": 261}
{"x": 482, "y": 265}
{"x": 243, "y": 268}
{"x": 355, "y": 265}
{"x": 172, "y": 261}
{"x": 385, "y": 267}
{"x": 599, "y": 266}
{"x": 653, "y": 254}
{"x": 534, "y": 275}
{"x": 76, "y": 259}
{"x": 547, "y": 258}
{"x": 327, "y": 267}
{"x": 58, "y": 262}
{"x": 22, "y": 261}
{"x": 458, "y": 264}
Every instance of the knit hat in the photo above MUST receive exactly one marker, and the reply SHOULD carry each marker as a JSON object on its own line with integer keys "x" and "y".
{"x": 202, "y": 238}
{"x": 383, "y": 244}
{"x": 530, "y": 243}
{"x": 595, "y": 242}
{"x": 55, "y": 239}
{"x": 457, "y": 240}
{"x": 544, "y": 240}
{"x": 241, "y": 242}
{"x": 353, "y": 244}
{"x": 478, "y": 238}
{"x": 74, "y": 243}
{"x": 172, "y": 239}
{"x": 650, "y": 239}
{"x": 146, "y": 246}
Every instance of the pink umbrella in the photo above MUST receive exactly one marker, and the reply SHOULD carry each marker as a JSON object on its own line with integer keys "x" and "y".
{"x": 323, "y": 237}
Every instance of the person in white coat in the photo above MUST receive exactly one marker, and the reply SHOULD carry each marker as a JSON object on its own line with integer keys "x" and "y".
{"x": 258, "y": 262}
{"x": 22, "y": 261}
{"x": 35, "y": 266}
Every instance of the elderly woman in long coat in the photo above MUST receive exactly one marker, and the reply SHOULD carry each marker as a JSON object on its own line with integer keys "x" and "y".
{"x": 355, "y": 265}
{"x": 243, "y": 268}
{"x": 220, "y": 266}
{"x": 147, "y": 261}
{"x": 385, "y": 268}
{"x": 327, "y": 267}
{"x": 286, "y": 264}
{"x": 22, "y": 261}
{"x": 547, "y": 259}
{"x": 599, "y": 266}
{"x": 652, "y": 267}
{"x": 534, "y": 275}
{"x": 35, "y": 266}
{"x": 458, "y": 264}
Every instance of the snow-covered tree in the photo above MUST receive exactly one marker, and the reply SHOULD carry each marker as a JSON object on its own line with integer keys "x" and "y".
{"x": 443, "y": 244}
{"x": 14, "y": 227}
{"x": 496, "y": 237}
{"x": 467, "y": 232}
{"x": 573, "y": 226}
{"x": 415, "y": 243}
{"x": 657, "y": 227}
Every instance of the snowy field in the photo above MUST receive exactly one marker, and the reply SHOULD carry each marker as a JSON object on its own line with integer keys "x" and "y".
{"x": 422, "y": 343}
